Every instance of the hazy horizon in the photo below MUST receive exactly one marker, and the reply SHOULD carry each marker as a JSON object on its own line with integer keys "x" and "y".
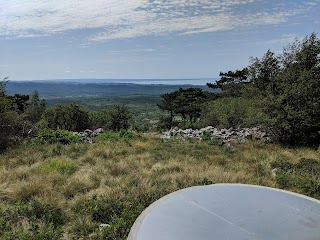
{"x": 169, "y": 81}
{"x": 145, "y": 39}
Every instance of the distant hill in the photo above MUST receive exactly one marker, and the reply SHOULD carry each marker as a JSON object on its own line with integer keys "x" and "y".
{"x": 69, "y": 89}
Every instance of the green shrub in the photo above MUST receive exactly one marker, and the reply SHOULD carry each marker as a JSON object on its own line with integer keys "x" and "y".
{"x": 83, "y": 226}
{"x": 31, "y": 220}
{"x": 119, "y": 212}
{"x": 57, "y": 136}
{"x": 234, "y": 112}
{"x": 72, "y": 117}
{"x": 305, "y": 175}
{"x": 295, "y": 103}
{"x": 116, "y": 118}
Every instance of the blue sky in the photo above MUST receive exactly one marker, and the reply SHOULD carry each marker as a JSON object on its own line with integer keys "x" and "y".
{"x": 74, "y": 39}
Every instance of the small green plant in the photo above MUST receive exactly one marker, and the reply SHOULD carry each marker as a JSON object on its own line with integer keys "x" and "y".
{"x": 304, "y": 175}
{"x": 63, "y": 166}
{"x": 83, "y": 226}
{"x": 31, "y": 220}
{"x": 203, "y": 182}
{"x": 57, "y": 136}
{"x": 211, "y": 140}
{"x": 122, "y": 135}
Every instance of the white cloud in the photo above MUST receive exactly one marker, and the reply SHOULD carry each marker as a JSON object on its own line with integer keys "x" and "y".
{"x": 142, "y": 50}
{"x": 87, "y": 71}
{"x": 122, "y": 19}
{"x": 284, "y": 39}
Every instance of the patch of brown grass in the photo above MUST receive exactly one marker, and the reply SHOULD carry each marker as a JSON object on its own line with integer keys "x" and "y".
{"x": 142, "y": 170}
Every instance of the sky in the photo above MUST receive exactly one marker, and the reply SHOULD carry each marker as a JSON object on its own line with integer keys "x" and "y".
{"x": 145, "y": 39}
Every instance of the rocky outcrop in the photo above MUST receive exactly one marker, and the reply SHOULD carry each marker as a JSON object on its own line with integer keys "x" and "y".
{"x": 226, "y": 135}
{"x": 88, "y": 135}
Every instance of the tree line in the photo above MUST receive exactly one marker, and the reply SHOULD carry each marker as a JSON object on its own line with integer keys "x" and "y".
{"x": 23, "y": 116}
{"x": 279, "y": 92}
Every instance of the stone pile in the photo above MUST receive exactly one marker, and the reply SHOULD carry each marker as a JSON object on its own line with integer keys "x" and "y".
{"x": 226, "y": 135}
{"x": 88, "y": 134}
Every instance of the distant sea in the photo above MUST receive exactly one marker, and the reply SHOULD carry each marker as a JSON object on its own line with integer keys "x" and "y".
{"x": 195, "y": 81}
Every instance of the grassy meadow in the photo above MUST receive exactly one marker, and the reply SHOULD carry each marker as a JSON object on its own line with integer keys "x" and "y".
{"x": 66, "y": 191}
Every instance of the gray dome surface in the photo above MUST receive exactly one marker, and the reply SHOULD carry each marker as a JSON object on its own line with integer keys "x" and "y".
{"x": 229, "y": 212}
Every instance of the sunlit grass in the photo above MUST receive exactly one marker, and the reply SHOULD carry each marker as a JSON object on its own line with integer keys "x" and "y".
{"x": 112, "y": 182}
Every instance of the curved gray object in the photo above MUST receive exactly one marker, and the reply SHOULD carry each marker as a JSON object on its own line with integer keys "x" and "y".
{"x": 230, "y": 212}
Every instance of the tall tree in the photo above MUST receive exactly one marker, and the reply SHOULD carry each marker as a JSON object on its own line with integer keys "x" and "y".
{"x": 168, "y": 104}
{"x": 9, "y": 124}
{"x": 120, "y": 117}
{"x": 289, "y": 85}
{"x": 35, "y": 108}
{"x": 19, "y": 102}
{"x": 263, "y": 72}
{"x": 188, "y": 103}
{"x": 3, "y": 86}
{"x": 185, "y": 102}
{"x": 295, "y": 105}
{"x": 231, "y": 83}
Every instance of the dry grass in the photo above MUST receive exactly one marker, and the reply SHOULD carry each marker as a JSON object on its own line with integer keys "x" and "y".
{"x": 129, "y": 176}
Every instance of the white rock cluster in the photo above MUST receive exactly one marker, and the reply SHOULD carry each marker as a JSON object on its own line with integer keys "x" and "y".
{"x": 226, "y": 135}
{"x": 88, "y": 134}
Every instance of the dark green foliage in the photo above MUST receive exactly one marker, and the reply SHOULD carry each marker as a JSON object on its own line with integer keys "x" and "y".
{"x": 234, "y": 112}
{"x": 305, "y": 175}
{"x": 35, "y": 108}
{"x": 144, "y": 125}
{"x": 31, "y": 220}
{"x": 184, "y": 102}
{"x": 168, "y": 104}
{"x": 57, "y": 136}
{"x": 99, "y": 119}
{"x": 19, "y": 102}
{"x": 72, "y": 117}
{"x": 288, "y": 85}
{"x": 7, "y": 122}
{"x": 117, "y": 118}
{"x": 120, "y": 118}
{"x": 11, "y": 123}
{"x": 189, "y": 103}
{"x": 165, "y": 123}
{"x": 295, "y": 103}
{"x": 3, "y": 85}
{"x": 263, "y": 73}
{"x": 231, "y": 83}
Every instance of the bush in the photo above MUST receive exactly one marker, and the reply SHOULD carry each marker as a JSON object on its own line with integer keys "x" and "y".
{"x": 117, "y": 118}
{"x": 234, "y": 112}
{"x": 99, "y": 119}
{"x": 72, "y": 117}
{"x": 57, "y": 136}
{"x": 12, "y": 124}
{"x": 305, "y": 175}
{"x": 120, "y": 118}
{"x": 294, "y": 100}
